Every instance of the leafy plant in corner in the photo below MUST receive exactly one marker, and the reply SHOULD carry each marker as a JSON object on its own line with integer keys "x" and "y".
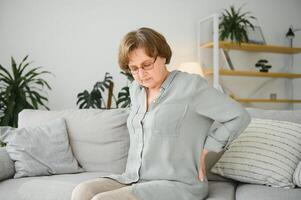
{"x": 234, "y": 25}
{"x": 20, "y": 90}
{"x": 96, "y": 97}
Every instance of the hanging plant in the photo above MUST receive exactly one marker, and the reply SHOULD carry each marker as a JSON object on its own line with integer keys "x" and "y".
{"x": 233, "y": 25}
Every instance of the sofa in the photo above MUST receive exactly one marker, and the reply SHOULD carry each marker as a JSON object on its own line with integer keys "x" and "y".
{"x": 99, "y": 142}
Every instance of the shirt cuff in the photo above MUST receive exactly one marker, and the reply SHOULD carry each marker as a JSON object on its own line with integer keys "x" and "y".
{"x": 213, "y": 145}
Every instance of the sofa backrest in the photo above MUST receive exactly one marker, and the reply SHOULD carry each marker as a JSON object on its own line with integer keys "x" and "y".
{"x": 100, "y": 141}
{"x": 281, "y": 115}
{"x": 98, "y": 138}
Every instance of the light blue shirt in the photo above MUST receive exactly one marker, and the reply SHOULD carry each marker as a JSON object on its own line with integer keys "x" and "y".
{"x": 166, "y": 142}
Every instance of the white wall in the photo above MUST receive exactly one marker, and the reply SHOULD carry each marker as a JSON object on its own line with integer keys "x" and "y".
{"x": 274, "y": 17}
{"x": 77, "y": 40}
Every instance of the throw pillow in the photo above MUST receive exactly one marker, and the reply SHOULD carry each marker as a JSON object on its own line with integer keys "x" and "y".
{"x": 297, "y": 175}
{"x": 42, "y": 150}
{"x": 7, "y": 169}
{"x": 267, "y": 152}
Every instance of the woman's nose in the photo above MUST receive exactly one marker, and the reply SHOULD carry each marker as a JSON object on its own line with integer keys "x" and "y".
{"x": 141, "y": 72}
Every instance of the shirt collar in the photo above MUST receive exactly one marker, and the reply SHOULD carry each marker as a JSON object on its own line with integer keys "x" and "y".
{"x": 168, "y": 80}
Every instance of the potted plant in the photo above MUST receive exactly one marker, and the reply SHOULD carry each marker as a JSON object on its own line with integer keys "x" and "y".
{"x": 263, "y": 65}
{"x": 96, "y": 98}
{"x": 233, "y": 25}
{"x": 20, "y": 90}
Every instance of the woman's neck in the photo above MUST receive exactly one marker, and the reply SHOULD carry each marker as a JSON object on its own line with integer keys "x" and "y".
{"x": 157, "y": 88}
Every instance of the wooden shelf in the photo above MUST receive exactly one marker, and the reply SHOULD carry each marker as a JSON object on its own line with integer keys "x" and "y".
{"x": 246, "y": 100}
{"x": 254, "y": 47}
{"x": 226, "y": 72}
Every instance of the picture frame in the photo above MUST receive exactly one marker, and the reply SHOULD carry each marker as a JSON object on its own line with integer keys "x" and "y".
{"x": 255, "y": 36}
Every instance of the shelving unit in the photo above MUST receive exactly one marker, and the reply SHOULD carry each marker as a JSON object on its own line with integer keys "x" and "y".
{"x": 216, "y": 71}
{"x": 242, "y": 100}
{"x": 225, "y": 72}
{"x": 254, "y": 47}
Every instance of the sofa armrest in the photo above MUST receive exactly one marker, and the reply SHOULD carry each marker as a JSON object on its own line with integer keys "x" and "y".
{"x": 7, "y": 168}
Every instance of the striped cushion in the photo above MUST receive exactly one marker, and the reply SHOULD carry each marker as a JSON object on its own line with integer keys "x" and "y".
{"x": 267, "y": 152}
{"x": 297, "y": 175}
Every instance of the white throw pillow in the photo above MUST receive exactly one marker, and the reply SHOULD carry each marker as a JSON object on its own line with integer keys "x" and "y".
{"x": 42, "y": 150}
{"x": 267, "y": 152}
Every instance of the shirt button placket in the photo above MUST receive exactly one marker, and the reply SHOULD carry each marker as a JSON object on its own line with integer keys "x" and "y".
{"x": 140, "y": 147}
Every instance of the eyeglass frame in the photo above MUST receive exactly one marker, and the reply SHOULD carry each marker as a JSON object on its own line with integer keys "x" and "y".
{"x": 143, "y": 67}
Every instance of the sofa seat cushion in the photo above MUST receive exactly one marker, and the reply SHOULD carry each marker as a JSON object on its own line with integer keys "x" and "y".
{"x": 220, "y": 190}
{"x": 261, "y": 192}
{"x": 56, "y": 187}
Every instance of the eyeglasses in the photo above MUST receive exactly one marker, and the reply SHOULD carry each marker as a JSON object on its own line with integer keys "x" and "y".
{"x": 146, "y": 67}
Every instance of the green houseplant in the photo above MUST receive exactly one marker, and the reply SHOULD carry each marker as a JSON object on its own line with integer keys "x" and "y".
{"x": 96, "y": 97}
{"x": 20, "y": 89}
{"x": 233, "y": 25}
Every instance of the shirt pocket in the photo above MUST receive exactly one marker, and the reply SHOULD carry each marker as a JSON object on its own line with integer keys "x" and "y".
{"x": 168, "y": 119}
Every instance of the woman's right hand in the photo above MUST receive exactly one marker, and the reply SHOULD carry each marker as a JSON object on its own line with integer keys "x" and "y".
{"x": 202, "y": 169}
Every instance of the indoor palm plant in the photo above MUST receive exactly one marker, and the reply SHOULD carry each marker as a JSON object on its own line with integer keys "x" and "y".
{"x": 96, "y": 97}
{"x": 20, "y": 89}
{"x": 233, "y": 25}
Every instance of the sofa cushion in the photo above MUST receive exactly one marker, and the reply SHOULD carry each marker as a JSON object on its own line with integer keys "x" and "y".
{"x": 219, "y": 190}
{"x": 7, "y": 168}
{"x": 261, "y": 192}
{"x": 267, "y": 152}
{"x": 297, "y": 175}
{"x": 99, "y": 138}
{"x": 282, "y": 115}
{"x": 56, "y": 187}
{"x": 40, "y": 150}
{"x": 211, "y": 159}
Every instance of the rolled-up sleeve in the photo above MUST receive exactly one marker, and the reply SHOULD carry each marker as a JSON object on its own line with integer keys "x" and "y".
{"x": 229, "y": 117}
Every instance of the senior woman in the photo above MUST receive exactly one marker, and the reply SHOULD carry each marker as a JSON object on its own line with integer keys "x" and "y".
{"x": 170, "y": 127}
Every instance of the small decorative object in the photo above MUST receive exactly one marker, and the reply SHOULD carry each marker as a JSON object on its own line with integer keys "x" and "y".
{"x": 263, "y": 64}
{"x": 234, "y": 25}
{"x": 273, "y": 96}
{"x": 291, "y": 34}
{"x": 23, "y": 88}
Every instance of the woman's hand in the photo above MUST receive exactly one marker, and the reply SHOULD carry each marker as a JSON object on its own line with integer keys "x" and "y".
{"x": 202, "y": 170}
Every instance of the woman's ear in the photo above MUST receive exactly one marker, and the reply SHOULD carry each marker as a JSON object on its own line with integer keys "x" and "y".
{"x": 162, "y": 60}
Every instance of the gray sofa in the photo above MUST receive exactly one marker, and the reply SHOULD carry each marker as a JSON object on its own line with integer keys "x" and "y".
{"x": 99, "y": 142}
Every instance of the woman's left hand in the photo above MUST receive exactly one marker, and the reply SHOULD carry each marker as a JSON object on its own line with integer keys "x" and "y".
{"x": 202, "y": 169}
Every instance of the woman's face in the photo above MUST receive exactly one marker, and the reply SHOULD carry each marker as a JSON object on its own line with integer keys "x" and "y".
{"x": 147, "y": 71}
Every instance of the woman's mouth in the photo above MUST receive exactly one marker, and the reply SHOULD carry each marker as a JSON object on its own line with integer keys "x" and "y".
{"x": 145, "y": 80}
